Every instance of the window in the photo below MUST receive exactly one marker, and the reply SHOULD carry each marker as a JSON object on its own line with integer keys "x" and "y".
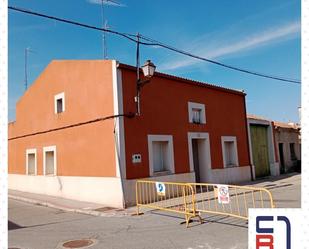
{"x": 161, "y": 154}
{"x": 292, "y": 151}
{"x": 59, "y": 106}
{"x": 49, "y": 160}
{"x": 196, "y": 116}
{"x": 59, "y": 103}
{"x": 31, "y": 168}
{"x": 229, "y": 150}
{"x": 196, "y": 113}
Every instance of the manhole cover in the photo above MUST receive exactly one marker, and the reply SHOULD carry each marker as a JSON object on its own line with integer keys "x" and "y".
{"x": 78, "y": 243}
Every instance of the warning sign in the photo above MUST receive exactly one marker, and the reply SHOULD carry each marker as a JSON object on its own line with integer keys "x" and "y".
{"x": 223, "y": 194}
{"x": 160, "y": 188}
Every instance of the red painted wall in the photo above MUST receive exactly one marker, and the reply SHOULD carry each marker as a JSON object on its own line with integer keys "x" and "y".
{"x": 164, "y": 108}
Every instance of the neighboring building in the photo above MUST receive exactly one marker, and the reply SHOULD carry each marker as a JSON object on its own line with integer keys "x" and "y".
{"x": 288, "y": 143}
{"x": 65, "y": 142}
{"x": 262, "y": 147}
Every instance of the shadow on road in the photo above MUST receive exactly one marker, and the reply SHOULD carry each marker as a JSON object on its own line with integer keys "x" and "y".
{"x": 13, "y": 226}
{"x": 218, "y": 219}
{"x": 270, "y": 179}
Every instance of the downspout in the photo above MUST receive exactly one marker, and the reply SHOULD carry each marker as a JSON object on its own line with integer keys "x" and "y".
{"x": 247, "y": 134}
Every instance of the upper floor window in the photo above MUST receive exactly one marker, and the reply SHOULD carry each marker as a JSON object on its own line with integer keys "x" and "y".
{"x": 59, "y": 104}
{"x": 197, "y": 113}
{"x": 196, "y": 116}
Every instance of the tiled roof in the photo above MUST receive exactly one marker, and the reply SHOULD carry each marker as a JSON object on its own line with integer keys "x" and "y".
{"x": 252, "y": 116}
{"x": 188, "y": 81}
{"x": 286, "y": 125}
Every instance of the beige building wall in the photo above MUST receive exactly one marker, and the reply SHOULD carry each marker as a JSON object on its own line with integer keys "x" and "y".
{"x": 288, "y": 136}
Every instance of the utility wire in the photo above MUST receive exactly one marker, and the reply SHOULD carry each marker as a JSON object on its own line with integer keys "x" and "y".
{"x": 152, "y": 42}
{"x": 126, "y": 35}
{"x": 157, "y": 43}
{"x": 129, "y": 115}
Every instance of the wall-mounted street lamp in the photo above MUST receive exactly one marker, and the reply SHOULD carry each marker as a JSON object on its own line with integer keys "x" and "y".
{"x": 148, "y": 71}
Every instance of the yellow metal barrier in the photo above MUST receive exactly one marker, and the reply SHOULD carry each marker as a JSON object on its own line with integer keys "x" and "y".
{"x": 238, "y": 200}
{"x": 172, "y": 197}
{"x": 192, "y": 199}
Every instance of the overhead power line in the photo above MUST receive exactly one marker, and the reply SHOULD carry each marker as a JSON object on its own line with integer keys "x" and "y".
{"x": 160, "y": 44}
{"x": 151, "y": 42}
{"x": 125, "y": 35}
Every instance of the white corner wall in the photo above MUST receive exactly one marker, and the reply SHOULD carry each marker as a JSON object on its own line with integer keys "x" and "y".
{"x": 103, "y": 190}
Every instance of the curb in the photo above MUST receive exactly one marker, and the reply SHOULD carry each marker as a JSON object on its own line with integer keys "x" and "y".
{"x": 80, "y": 211}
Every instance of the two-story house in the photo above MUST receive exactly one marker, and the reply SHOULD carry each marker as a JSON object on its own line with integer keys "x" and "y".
{"x": 67, "y": 142}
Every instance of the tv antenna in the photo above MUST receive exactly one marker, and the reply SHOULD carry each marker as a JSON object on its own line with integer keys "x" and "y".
{"x": 104, "y": 23}
{"x": 27, "y": 51}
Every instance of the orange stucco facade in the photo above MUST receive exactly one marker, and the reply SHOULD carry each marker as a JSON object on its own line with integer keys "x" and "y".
{"x": 85, "y": 150}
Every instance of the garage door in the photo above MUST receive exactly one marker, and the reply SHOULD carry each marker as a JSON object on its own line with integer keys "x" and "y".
{"x": 260, "y": 150}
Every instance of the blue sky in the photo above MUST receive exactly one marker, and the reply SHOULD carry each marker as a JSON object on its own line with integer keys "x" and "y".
{"x": 260, "y": 35}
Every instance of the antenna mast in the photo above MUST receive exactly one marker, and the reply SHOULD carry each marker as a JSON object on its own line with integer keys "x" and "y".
{"x": 104, "y": 23}
{"x": 104, "y": 45}
{"x": 26, "y": 68}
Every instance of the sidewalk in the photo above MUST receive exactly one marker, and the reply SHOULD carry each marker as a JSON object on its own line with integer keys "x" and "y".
{"x": 69, "y": 205}
{"x": 100, "y": 210}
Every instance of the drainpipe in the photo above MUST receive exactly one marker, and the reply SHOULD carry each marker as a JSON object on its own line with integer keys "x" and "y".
{"x": 247, "y": 134}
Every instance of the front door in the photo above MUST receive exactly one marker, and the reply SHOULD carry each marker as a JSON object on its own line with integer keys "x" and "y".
{"x": 281, "y": 155}
{"x": 196, "y": 161}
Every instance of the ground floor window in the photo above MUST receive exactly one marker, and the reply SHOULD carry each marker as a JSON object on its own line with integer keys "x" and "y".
{"x": 161, "y": 154}
{"x": 49, "y": 160}
{"x": 31, "y": 164}
{"x": 229, "y": 150}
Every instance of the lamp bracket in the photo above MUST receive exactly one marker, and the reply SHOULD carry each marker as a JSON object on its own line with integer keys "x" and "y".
{"x": 141, "y": 83}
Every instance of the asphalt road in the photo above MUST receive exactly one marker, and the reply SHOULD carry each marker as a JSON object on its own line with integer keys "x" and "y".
{"x": 37, "y": 227}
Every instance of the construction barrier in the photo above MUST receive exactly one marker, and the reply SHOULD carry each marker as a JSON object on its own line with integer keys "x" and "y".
{"x": 167, "y": 196}
{"x": 231, "y": 200}
{"x": 193, "y": 199}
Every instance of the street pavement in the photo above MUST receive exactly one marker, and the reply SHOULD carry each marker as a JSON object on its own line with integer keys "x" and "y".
{"x": 38, "y": 227}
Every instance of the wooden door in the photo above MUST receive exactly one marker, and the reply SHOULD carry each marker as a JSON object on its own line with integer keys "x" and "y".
{"x": 260, "y": 150}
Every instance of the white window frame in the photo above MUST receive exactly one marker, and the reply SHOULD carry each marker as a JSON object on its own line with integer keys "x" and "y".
{"x": 161, "y": 138}
{"x": 49, "y": 149}
{"x": 193, "y": 105}
{"x": 31, "y": 151}
{"x": 229, "y": 139}
{"x": 56, "y": 98}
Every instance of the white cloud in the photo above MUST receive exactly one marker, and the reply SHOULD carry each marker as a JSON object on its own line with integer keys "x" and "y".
{"x": 243, "y": 43}
{"x": 107, "y": 2}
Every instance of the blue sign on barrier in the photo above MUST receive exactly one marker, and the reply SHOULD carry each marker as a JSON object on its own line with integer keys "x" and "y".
{"x": 160, "y": 188}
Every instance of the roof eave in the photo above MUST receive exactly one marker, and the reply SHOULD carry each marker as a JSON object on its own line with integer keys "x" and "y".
{"x": 188, "y": 81}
